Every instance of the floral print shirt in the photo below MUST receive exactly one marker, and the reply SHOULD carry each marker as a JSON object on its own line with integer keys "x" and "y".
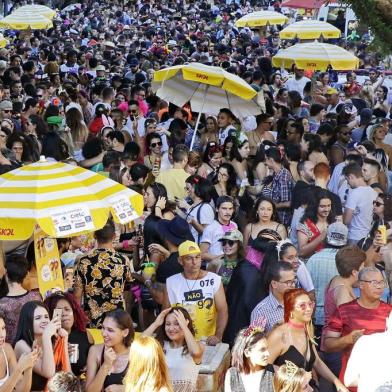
{"x": 102, "y": 274}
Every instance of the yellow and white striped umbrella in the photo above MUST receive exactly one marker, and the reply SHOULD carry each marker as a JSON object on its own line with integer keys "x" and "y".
{"x": 21, "y": 20}
{"x": 62, "y": 199}
{"x": 310, "y": 29}
{"x": 37, "y": 9}
{"x": 207, "y": 88}
{"x": 315, "y": 56}
{"x": 261, "y": 18}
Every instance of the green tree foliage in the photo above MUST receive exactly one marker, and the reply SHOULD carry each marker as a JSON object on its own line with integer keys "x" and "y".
{"x": 377, "y": 14}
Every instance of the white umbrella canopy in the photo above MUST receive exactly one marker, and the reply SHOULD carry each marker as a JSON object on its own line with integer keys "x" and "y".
{"x": 207, "y": 88}
{"x": 204, "y": 98}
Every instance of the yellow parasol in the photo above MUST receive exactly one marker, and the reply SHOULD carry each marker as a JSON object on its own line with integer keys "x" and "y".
{"x": 207, "y": 88}
{"x": 315, "y": 56}
{"x": 310, "y": 29}
{"x": 62, "y": 199}
{"x": 37, "y": 9}
{"x": 261, "y": 18}
{"x": 26, "y": 20}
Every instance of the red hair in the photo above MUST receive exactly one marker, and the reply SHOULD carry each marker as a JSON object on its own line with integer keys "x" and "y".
{"x": 289, "y": 298}
{"x": 321, "y": 170}
{"x": 80, "y": 318}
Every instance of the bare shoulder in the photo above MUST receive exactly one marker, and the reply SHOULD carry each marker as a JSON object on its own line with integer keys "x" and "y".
{"x": 279, "y": 332}
{"x": 9, "y": 351}
{"x": 22, "y": 347}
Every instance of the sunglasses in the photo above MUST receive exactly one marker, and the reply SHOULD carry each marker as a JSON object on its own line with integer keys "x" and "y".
{"x": 304, "y": 305}
{"x": 228, "y": 242}
{"x": 153, "y": 145}
{"x": 377, "y": 203}
{"x": 7, "y": 111}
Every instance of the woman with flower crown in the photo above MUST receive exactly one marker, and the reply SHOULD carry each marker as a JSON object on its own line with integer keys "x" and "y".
{"x": 294, "y": 340}
{"x": 250, "y": 362}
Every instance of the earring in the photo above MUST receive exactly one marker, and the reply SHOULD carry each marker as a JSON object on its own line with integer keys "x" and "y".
{"x": 291, "y": 315}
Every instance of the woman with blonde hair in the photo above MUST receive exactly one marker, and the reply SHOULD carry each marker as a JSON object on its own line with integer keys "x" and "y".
{"x": 147, "y": 370}
{"x": 291, "y": 378}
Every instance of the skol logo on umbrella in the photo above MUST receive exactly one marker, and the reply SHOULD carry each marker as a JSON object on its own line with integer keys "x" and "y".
{"x": 6, "y": 231}
{"x": 201, "y": 76}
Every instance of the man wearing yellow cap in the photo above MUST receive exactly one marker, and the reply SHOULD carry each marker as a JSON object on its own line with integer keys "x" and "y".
{"x": 200, "y": 292}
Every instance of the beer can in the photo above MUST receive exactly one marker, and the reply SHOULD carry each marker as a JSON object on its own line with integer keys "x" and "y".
{"x": 383, "y": 231}
{"x": 74, "y": 356}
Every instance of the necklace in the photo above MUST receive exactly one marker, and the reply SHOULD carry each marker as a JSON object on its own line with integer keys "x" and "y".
{"x": 296, "y": 325}
{"x": 194, "y": 283}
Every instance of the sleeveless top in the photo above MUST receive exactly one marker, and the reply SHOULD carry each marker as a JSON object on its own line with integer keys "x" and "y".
{"x": 81, "y": 339}
{"x": 266, "y": 381}
{"x": 182, "y": 368}
{"x": 294, "y": 356}
{"x": 7, "y": 374}
{"x": 305, "y": 362}
{"x": 253, "y": 255}
{"x": 38, "y": 382}
{"x": 113, "y": 378}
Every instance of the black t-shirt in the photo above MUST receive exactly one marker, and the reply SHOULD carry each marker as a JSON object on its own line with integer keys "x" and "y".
{"x": 298, "y": 192}
{"x": 168, "y": 268}
{"x": 336, "y": 204}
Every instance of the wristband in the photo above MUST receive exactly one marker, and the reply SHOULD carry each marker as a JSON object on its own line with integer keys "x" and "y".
{"x": 158, "y": 207}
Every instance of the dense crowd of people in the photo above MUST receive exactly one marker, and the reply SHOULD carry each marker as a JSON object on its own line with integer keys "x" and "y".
{"x": 270, "y": 233}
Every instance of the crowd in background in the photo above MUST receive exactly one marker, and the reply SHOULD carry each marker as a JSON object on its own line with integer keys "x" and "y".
{"x": 271, "y": 234}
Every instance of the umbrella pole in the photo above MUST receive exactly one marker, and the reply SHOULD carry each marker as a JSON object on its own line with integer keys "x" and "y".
{"x": 199, "y": 116}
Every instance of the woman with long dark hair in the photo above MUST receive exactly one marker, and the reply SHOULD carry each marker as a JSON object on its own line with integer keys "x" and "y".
{"x": 35, "y": 330}
{"x": 312, "y": 229}
{"x": 228, "y": 149}
{"x": 240, "y": 161}
{"x": 211, "y": 161}
{"x": 154, "y": 151}
{"x": 294, "y": 340}
{"x": 263, "y": 216}
{"x": 183, "y": 352}
{"x": 74, "y": 321}
{"x": 225, "y": 183}
{"x": 200, "y": 213}
{"x": 17, "y": 374}
{"x": 108, "y": 363}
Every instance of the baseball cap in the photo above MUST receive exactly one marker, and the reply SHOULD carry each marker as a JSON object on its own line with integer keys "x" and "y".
{"x": 337, "y": 234}
{"x": 366, "y": 116}
{"x": 233, "y": 235}
{"x": 5, "y": 105}
{"x": 100, "y": 68}
{"x": 134, "y": 63}
{"x": 188, "y": 248}
{"x": 331, "y": 91}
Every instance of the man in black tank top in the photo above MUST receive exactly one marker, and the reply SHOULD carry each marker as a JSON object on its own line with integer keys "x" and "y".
{"x": 371, "y": 172}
